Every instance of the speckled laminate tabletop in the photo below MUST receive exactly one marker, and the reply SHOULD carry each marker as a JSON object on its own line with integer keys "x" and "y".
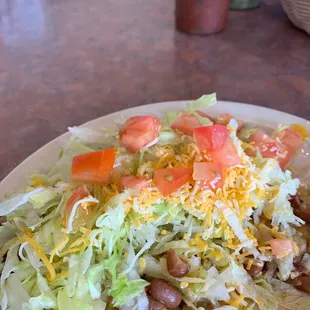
{"x": 64, "y": 62}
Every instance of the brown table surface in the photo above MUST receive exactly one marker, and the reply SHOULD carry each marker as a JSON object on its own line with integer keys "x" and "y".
{"x": 64, "y": 62}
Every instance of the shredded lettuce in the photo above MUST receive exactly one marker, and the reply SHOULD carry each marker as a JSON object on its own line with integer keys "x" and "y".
{"x": 46, "y": 299}
{"x": 64, "y": 302}
{"x": 11, "y": 204}
{"x": 139, "y": 302}
{"x": 95, "y": 276}
{"x": 122, "y": 289}
{"x": 112, "y": 218}
{"x": 42, "y": 198}
{"x": 168, "y": 138}
{"x": 233, "y": 221}
{"x": 9, "y": 267}
{"x": 7, "y": 232}
{"x": 88, "y": 135}
{"x": 203, "y": 102}
{"x": 30, "y": 257}
{"x": 286, "y": 266}
{"x": 171, "y": 116}
{"x": 17, "y": 295}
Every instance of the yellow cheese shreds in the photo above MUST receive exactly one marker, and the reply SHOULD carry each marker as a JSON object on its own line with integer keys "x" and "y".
{"x": 276, "y": 233}
{"x": 217, "y": 254}
{"x": 236, "y": 300}
{"x": 58, "y": 264}
{"x": 198, "y": 241}
{"x": 63, "y": 274}
{"x": 147, "y": 198}
{"x": 28, "y": 232}
{"x": 142, "y": 264}
{"x": 42, "y": 256}
{"x": 108, "y": 192}
{"x": 264, "y": 248}
{"x": 79, "y": 245}
{"x": 249, "y": 263}
{"x": 38, "y": 180}
{"x": 74, "y": 250}
{"x": 243, "y": 255}
{"x": 86, "y": 232}
{"x": 302, "y": 130}
{"x": 232, "y": 243}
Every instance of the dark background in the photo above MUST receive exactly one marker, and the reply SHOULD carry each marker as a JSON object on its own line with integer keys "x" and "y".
{"x": 64, "y": 62}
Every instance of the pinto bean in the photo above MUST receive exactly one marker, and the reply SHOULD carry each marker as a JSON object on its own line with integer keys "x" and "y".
{"x": 301, "y": 283}
{"x": 256, "y": 267}
{"x": 301, "y": 208}
{"x": 176, "y": 266}
{"x": 166, "y": 293}
{"x": 255, "y": 270}
{"x": 155, "y": 304}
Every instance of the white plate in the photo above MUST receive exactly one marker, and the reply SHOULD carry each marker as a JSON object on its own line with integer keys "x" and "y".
{"x": 43, "y": 159}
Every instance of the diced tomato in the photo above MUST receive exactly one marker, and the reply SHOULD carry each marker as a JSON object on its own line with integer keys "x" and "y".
{"x": 271, "y": 148}
{"x": 224, "y": 119}
{"x": 284, "y": 157}
{"x": 292, "y": 140}
{"x": 267, "y": 146}
{"x": 211, "y": 138}
{"x": 138, "y": 131}
{"x": 79, "y": 194}
{"x": 133, "y": 182}
{"x": 281, "y": 247}
{"x": 93, "y": 167}
{"x": 186, "y": 123}
{"x": 227, "y": 155}
{"x": 210, "y": 175}
{"x": 171, "y": 179}
{"x": 215, "y": 141}
{"x": 82, "y": 214}
{"x": 203, "y": 114}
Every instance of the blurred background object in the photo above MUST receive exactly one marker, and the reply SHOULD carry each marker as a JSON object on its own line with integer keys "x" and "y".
{"x": 201, "y": 17}
{"x": 244, "y": 4}
{"x": 298, "y": 12}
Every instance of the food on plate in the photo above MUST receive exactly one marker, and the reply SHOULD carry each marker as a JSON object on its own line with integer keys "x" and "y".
{"x": 188, "y": 211}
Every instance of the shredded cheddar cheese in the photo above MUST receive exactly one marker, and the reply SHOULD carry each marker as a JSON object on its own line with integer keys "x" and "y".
{"x": 42, "y": 256}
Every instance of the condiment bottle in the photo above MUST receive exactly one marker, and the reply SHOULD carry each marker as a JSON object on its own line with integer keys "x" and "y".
{"x": 201, "y": 17}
